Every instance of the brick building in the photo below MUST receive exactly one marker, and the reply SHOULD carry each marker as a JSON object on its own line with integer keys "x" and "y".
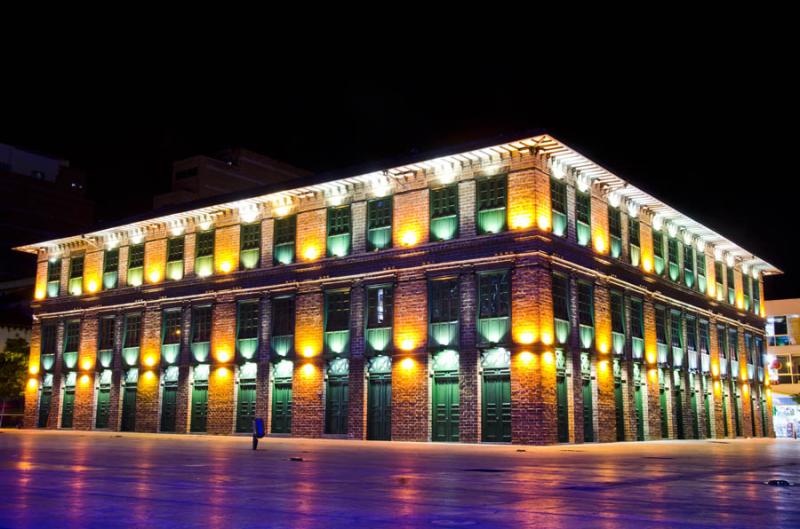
{"x": 513, "y": 293}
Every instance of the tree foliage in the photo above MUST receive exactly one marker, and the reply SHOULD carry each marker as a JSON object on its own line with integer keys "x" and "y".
{"x": 13, "y": 362}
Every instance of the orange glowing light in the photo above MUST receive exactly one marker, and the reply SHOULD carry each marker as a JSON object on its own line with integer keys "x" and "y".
{"x": 603, "y": 366}
{"x": 308, "y": 370}
{"x": 769, "y": 392}
{"x": 223, "y": 356}
{"x": 715, "y": 369}
{"x": 32, "y": 383}
{"x": 149, "y": 360}
{"x": 86, "y": 364}
{"x": 603, "y": 347}
{"x": 225, "y": 266}
{"x": 311, "y": 253}
{"x": 308, "y": 351}
{"x": 544, "y": 222}
{"x": 407, "y": 344}
{"x": 651, "y": 357}
{"x": 154, "y": 276}
{"x": 547, "y": 338}
{"x": 548, "y": 357}
{"x": 223, "y": 372}
{"x": 410, "y": 238}
{"x": 522, "y": 220}
{"x": 39, "y": 294}
{"x": 92, "y": 286}
{"x": 711, "y": 289}
{"x": 526, "y": 337}
{"x": 407, "y": 363}
{"x": 526, "y": 357}
{"x": 647, "y": 264}
{"x": 33, "y": 370}
{"x": 600, "y": 244}
{"x": 148, "y": 375}
{"x": 85, "y": 379}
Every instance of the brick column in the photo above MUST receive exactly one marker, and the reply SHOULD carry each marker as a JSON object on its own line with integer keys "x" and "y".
{"x": 600, "y": 237}
{"x": 263, "y": 373}
{"x": 93, "y": 272}
{"x": 54, "y": 417}
{"x": 628, "y": 382}
{"x": 606, "y": 405}
{"x": 221, "y": 378}
{"x": 573, "y": 354}
{"x": 148, "y": 388}
{"x": 115, "y": 393}
{"x": 544, "y": 210}
{"x": 469, "y": 363}
{"x": 646, "y": 243}
{"x": 63, "y": 287}
{"x": 358, "y": 210}
{"x": 122, "y": 278}
{"x": 521, "y": 199}
{"x": 411, "y": 216}
{"x": 308, "y": 418}
{"x": 410, "y": 400}
{"x": 716, "y": 385}
{"x": 466, "y": 208}
{"x": 40, "y": 289}
{"x": 189, "y": 251}
{"x": 226, "y": 250}
{"x": 572, "y": 235}
{"x": 267, "y": 228}
{"x": 155, "y": 260}
{"x": 653, "y": 401}
{"x": 34, "y": 363}
{"x": 311, "y": 237}
{"x": 85, "y": 385}
{"x": 357, "y": 385}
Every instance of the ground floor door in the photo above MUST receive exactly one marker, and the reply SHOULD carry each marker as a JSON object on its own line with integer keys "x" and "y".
{"x": 199, "y": 418}
{"x": 588, "y": 415}
{"x": 128, "y": 423}
{"x": 246, "y": 406}
{"x": 662, "y": 399}
{"x": 379, "y": 406}
{"x": 677, "y": 406}
{"x": 44, "y": 407}
{"x": 753, "y": 413}
{"x": 68, "y": 407}
{"x": 446, "y": 411}
{"x": 562, "y": 408}
{"x": 169, "y": 403}
{"x": 737, "y": 406}
{"x": 496, "y": 408}
{"x": 103, "y": 406}
{"x": 336, "y": 399}
{"x": 282, "y": 406}
{"x": 638, "y": 403}
{"x": 619, "y": 409}
{"x": 707, "y": 405}
{"x": 693, "y": 406}
{"x": 725, "y": 401}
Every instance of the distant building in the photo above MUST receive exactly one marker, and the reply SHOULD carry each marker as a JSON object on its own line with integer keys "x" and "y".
{"x": 231, "y": 170}
{"x": 783, "y": 357}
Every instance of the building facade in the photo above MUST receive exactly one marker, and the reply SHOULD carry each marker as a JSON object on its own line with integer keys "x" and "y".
{"x": 783, "y": 360}
{"x": 516, "y": 293}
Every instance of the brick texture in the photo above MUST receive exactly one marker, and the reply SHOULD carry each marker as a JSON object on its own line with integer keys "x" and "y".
{"x": 308, "y": 398}
{"x": 410, "y": 224}
{"x": 311, "y": 237}
{"x": 226, "y": 249}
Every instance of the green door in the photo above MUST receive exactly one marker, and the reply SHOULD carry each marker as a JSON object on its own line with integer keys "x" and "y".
{"x": 336, "y": 404}
{"x": 737, "y": 405}
{"x": 753, "y": 414}
{"x": 68, "y": 408}
{"x": 379, "y": 407}
{"x": 678, "y": 406}
{"x": 588, "y": 419}
{"x": 725, "y": 410}
{"x": 282, "y": 406}
{"x": 44, "y": 407}
{"x": 707, "y": 405}
{"x": 128, "y": 423}
{"x": 199, "y": 408}
{"x": 619, "y": 408}
{"x": 169, "y": 402}
{"x": 764, "y": 425}
{"x": 561, "y": 404}
{"x": 246, "y": 407}
{"x": 496, "y": 409}
{"x": 103, "y": 401}
{"x": 693, "y": 410}
{"x": 446, "y": 413}
{"x": 662, "y": 396}
{"x": 638, "y": 403}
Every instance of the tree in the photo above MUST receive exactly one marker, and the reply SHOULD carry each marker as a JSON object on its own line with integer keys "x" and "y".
{"x": 12, "y": 371}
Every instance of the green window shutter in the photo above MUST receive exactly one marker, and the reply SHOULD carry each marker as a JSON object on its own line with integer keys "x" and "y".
{"x": 380, "y": 317}
{"x": 491, "y": 201}
{"x": 444, "y": 306}
{"x": 444, "y": 213}
{"x": 53, "y": 278}
{"x": 672, "y": 257}
{"x": 76, "y": 275}
{"x": 691, "y": 332}
{"x": 561, "y": 307}
{"x": 615, "y": 231}
{"x": 494, "y": 307}
{"x": 379, "y": 224}
{"x": 558, "y": 206}
{"x": 583, "y": 217}
{"x": 617, "y": 322}
{"x": 250, "y": 245}
{"x": 756, "y": 296}
{"x": 339, "y": 227}
{"x": 284, "y": 241}
{"x": 731, "y": 286}
{"x": 105, "y": 338}
{"x": 133, "y": 324}
{"x": 688, "y": 265}
{"x": 658, "y": 252}
{"x": 110, "y": 268}
{"x": 135, "y": 265}
{"x": 201, "y": 324}
{"x": 337, "y": 321}
{"x": 171, "y": 326}
{"x": 248, "y": 323}
{"x": 586, "y": 313}
{"x": 634, "y": 246}
{"x": 49, "y": 331}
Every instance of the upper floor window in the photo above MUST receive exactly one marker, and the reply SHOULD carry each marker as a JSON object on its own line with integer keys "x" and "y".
{"x": 171, "y": 326}
{"x": 111, "y": 268}
{"x": 250, "y": 245}
{"x": 105, "y": 335}
{"x": 201, "y": 324}
{"x": 444, "y": 213}
{"x": 135, "y": 264}
{"x": 585, "y": 303}
{"x": 379, "y": 223}
{"x": 133, "y": 330}
{"x": 380, "y": 304}
{"x": 339, "y": 227}
{"x": 561, "y": 297}
{"x": 637, "y": 318}
{"x": 443, "y": 301}
{"x": 658, "y": 252}
{"x": 285, "y": 234}
{"x": 583, "y": 217}
{"x": 337, "y": 310}
{"x": 76, "y": 275}
{"x": 558, "y": 204}
{"x": 615, "y": 231}
{"x": 494, "y": 295}
{"x": 53, "y": 277}
{"x": 731, "y": 286}
{"x": 175, "y": 247}
{"x": 492, "y": 194}
{"x": 674, "y": 270}
{"x": 283, "y": 316}
{"x": 204, "y": 253}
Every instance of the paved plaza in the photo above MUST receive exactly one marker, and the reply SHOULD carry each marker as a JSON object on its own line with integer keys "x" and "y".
{"x": 52, "y": 479}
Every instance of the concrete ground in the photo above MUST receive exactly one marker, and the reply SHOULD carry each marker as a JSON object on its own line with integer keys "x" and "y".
{"x": 105, "y": 479}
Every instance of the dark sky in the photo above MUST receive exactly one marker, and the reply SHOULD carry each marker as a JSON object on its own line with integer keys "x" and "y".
{"x": 715, "y": 141}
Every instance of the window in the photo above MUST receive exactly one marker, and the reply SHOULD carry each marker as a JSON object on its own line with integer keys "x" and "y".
{"x": 133, "y": 330}
{"x": 72, "y": 336}
{"x": 675, "y": 334}
{"x": 337, "y": 310}
{"x": 560, "y": 297}
{"x": 379, "y": 224}
{"x": 585, "y": 304}
{"x": 380, "y": 304}
{"x": 747, "y": 289}
{"x": 756, "y": 296}
{"x": 248, "y": 319}
{"x": 558, "y": 204}
{"x": 633, "y": 232}
{"x": 731, "y": 286}
{"x": 700, "y": 264}
{"x": 110, "y": 268}
{"x": 250, "y": 245}
{"x": 704, "y": 337}
{"x": 201, "y": 324}
{"x": 615, "y": 230}
{"x": 49, "y": 339}
{"x": 491, "y": 195}
{"x": 617, "y": 312}
{"x": 444, "y": 213}
{"x": 658, "y": 251}
{"x": 106, "y": 334}
{"x": 205, "y": 244}
{"x": 722, "y": 342}
{"x": 733, "y": 342}
{"x": 53, "y": 277}
{"x": 583, "y": 217}
{"x": 688, "y": 265}
{"x": 171, "y": 326}
{"x": 283, "y": 316}
{"x": 443, "y": 301}
{"x": 661, "y": 325}
{"x": 691, "y": 332}
{"x": 637, "y": 318}
{"x": 674, "y": 271}
{"x": 76, "y": 275}
{"x": 136, "y": 256}
{"x": 339, "y": 231}
{"x": 494, "y": 295}
{"x": 175, "y": 249}
{"x": 285, "y": 232}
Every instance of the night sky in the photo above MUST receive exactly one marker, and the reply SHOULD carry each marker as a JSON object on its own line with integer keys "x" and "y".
{"x": 714, "y": 144}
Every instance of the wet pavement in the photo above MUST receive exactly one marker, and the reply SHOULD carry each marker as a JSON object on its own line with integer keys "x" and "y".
{"x": 105, "y": 479}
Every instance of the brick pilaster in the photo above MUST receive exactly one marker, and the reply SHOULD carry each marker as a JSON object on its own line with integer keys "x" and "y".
{"x": 85, "y": 385}
{"x": 469, "y": 363}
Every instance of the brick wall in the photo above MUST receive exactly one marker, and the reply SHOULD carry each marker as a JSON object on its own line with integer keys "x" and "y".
{"x": 469, "y": 361}
{"x": 358, "y": 212}
{"x": 85, "y": 386}
{"x": 148, "y": 389}
{"x": 226, "y": 249}
{"x": 646, "y": 241}
{"x": 93, "y": 272}
{"x": 466, "y": 208}
{"x": 32, "y": 390}
{"x": 653, "y": 398}
{"x": 521, "y": 199}
{"x": 40, "y": 290}
{"x": 308, "y": 323}
{"x": 311, "y": 235}
{"x": 307, "y": 398}
{"x": 221, "y": 412}
{"x": 606, "y": 406}
{"x": 189, "y": 251}
{"x": 410, "y": 222}
{"x": 543, "y": 205}
{"x": 155, "y": 260}
{"x": 357, "y": 389}
{"x": 600, "y": 237}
